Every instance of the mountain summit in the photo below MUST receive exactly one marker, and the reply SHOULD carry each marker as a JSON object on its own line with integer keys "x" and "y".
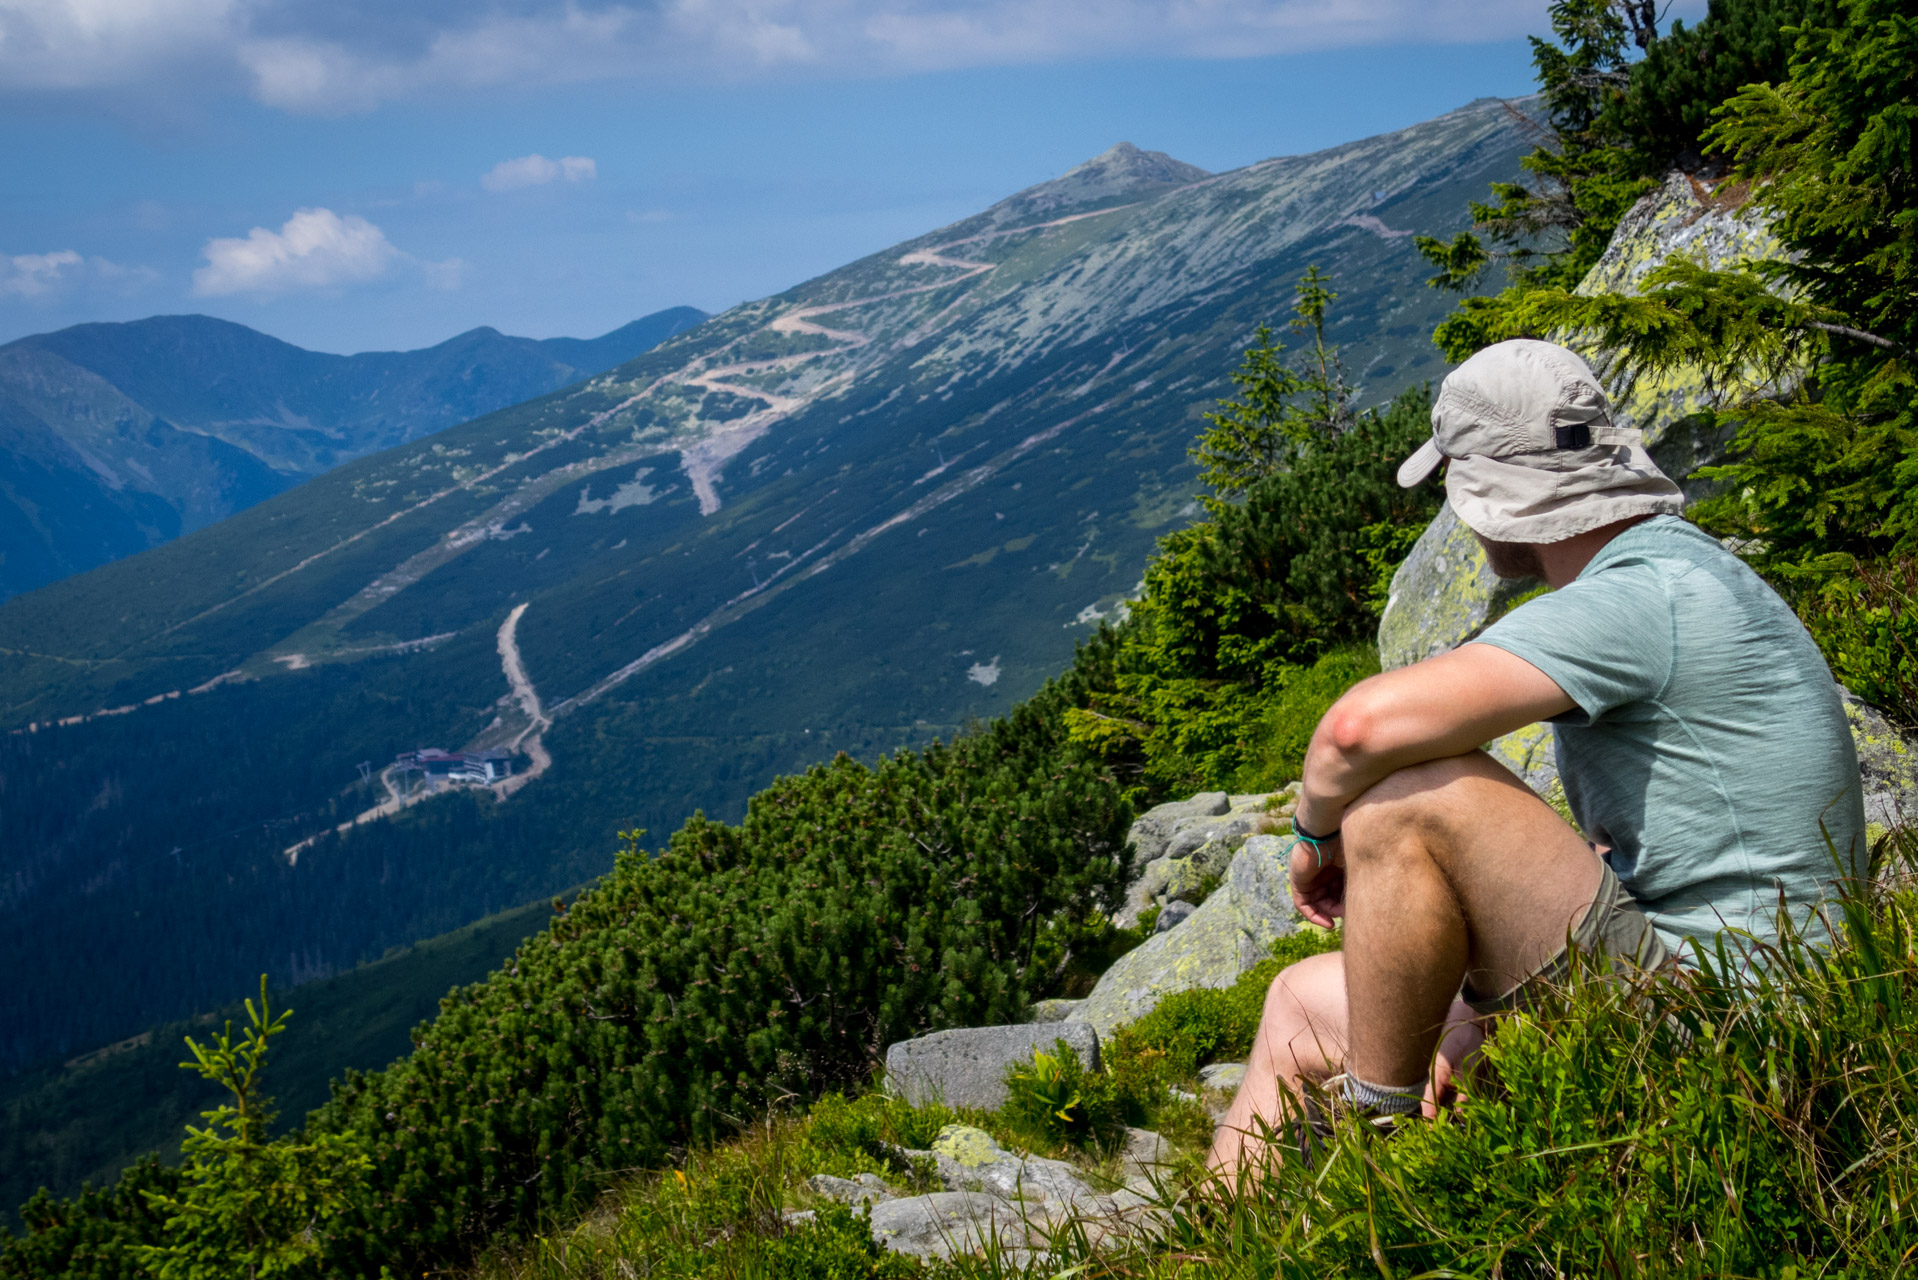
{"x": 1122, "y": 173}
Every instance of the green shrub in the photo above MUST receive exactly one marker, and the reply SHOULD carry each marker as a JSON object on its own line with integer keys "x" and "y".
{"x": 846, "y": 1137}
{"x": 1053, "y": 1099}
{"x": 1289, "y": 710}
{"x": 1209, "y": 683}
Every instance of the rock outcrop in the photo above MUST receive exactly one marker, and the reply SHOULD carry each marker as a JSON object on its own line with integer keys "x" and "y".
{"x": 967, "y": 1067}
{"x": 1182, "y": 848}
{"x": 994, "y": 1198}
{"x": 1442, "y": 595}
{"x": 1888, "y": 762}
{"x": 1230, "y": 932}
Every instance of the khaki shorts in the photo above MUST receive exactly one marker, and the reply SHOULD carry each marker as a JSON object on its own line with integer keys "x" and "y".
{"x": 1613, "y": 924}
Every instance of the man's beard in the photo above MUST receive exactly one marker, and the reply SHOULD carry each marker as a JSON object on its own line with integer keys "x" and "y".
{"x": 1512, "y": 559}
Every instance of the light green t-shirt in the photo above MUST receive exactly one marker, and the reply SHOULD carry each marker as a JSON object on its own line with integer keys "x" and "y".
{"x": 1708, "y": 742}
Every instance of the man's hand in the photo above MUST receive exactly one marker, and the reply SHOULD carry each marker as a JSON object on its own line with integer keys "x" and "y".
{"x": 1318, "y": 883}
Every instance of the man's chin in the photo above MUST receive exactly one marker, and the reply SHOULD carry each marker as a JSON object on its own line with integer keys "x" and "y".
{"x": 1512, "y": 561}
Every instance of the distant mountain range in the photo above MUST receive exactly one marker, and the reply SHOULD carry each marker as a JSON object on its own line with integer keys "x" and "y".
{"x": 117, "y": 437}
{"x": 850, "y": 517}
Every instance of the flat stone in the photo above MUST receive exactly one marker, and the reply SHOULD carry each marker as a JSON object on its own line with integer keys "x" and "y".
{"x": 967, "y": 1067}
{"x": 969, "y": 1159}
{"x": 866, "y": 1189}
{"x": 1054, "y": 1010}
{"x": 1232, "y": 931}
{"x": 946, "y": 1223}
{"x": 1172, "y": 914}
{"x": 1227, "y": 1076}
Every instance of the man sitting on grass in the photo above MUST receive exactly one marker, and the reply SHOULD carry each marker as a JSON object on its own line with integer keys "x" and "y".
{"x": 1701, "y": 743}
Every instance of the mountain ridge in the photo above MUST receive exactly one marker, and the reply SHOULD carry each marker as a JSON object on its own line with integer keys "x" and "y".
{"x": 150, "y": 428}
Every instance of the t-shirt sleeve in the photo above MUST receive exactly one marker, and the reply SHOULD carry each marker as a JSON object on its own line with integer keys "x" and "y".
{"x": 1606, "y": 640}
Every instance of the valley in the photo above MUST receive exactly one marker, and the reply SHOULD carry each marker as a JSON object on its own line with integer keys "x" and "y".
{"x": 852, "y": 517}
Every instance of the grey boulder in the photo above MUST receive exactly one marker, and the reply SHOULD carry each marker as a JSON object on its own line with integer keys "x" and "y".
{"x": 1230, "y": 932}
{"x": 1443, "y": 594}
{"x": 1154, "y": 828}
{"x": 949, "y": 1222}
{"x": 867, "y": 1188}
{"x": 1055, "y": 1010}
{"x": 1172, "y": 915}
{"x": 1182, "y": 846}
{"x": 967, "y": 1067}
{"x": 996, "y": 1198}
{"x": 1888, "y": 764}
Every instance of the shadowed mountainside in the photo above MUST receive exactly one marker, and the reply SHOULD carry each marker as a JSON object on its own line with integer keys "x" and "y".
{"x": 117, "y": 437}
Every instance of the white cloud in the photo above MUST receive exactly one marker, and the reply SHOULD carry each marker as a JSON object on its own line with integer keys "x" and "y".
{"x": 314, "y": 249}
{"x": 29, "y": 275}
{"x": 346, "y": 55}
{"x": 536, "y": 170}
{"x": 41, "y": 275}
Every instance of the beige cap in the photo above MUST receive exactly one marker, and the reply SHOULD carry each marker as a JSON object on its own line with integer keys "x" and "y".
{"x": 1535, "y": 454}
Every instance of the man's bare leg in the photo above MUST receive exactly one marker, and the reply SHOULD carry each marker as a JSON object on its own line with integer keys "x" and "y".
{"x": 1302, "y": 1037}
{"x": 1452, "y": 866}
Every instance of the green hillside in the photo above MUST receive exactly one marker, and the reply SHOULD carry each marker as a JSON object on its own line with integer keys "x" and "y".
{"x": 84, "y": 1120}
{"x": 117, "y": 437}
{"x": 851, "y": 517}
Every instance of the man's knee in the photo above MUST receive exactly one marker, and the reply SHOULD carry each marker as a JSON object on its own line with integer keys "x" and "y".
{"x": 1422, "y": 799}
{"x": 1307, "y": 990}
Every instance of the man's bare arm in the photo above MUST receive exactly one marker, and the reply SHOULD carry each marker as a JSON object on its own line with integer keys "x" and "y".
{"x": 1443, "y": 706}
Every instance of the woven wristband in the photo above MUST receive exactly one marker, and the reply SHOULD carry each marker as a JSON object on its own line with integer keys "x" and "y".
{"x": 1317, "y": 842}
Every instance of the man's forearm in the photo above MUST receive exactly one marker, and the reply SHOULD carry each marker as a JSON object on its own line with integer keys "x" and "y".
{"x": 1444, "y": 706}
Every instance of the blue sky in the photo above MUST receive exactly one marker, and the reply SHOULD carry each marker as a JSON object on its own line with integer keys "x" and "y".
{"x": 362, "y": 176}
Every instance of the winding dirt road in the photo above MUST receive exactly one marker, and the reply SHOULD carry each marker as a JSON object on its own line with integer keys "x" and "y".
{"x": 537, "y": 721}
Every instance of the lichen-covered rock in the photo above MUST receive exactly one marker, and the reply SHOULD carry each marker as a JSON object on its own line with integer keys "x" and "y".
{"x": 1443, "y": 594}
{"x": 1712, "y": 227}
{"x": 1055, "y": 1010}
{"x": 1189, "y": 842}
{"x": 867, "y": 1188}
{"x": 1172, "y": 915}
{"x": 1154, "y": 828}
{"x": 1232, "y": 931}
{"x": 967, "y": 1067}
{"x": 968, "y": 1159}
{"x": 996, "y": 1197}
{"x": 1888, "y": 763}
{"x": 946, "y": 1223}
{"x": 1532, "y": 753}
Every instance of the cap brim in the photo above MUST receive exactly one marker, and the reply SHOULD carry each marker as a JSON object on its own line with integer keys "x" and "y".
{"x": 1418, "y": 468}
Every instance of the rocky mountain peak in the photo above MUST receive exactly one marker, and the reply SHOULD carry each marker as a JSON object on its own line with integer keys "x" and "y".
{"x": 1121, "y": 173}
